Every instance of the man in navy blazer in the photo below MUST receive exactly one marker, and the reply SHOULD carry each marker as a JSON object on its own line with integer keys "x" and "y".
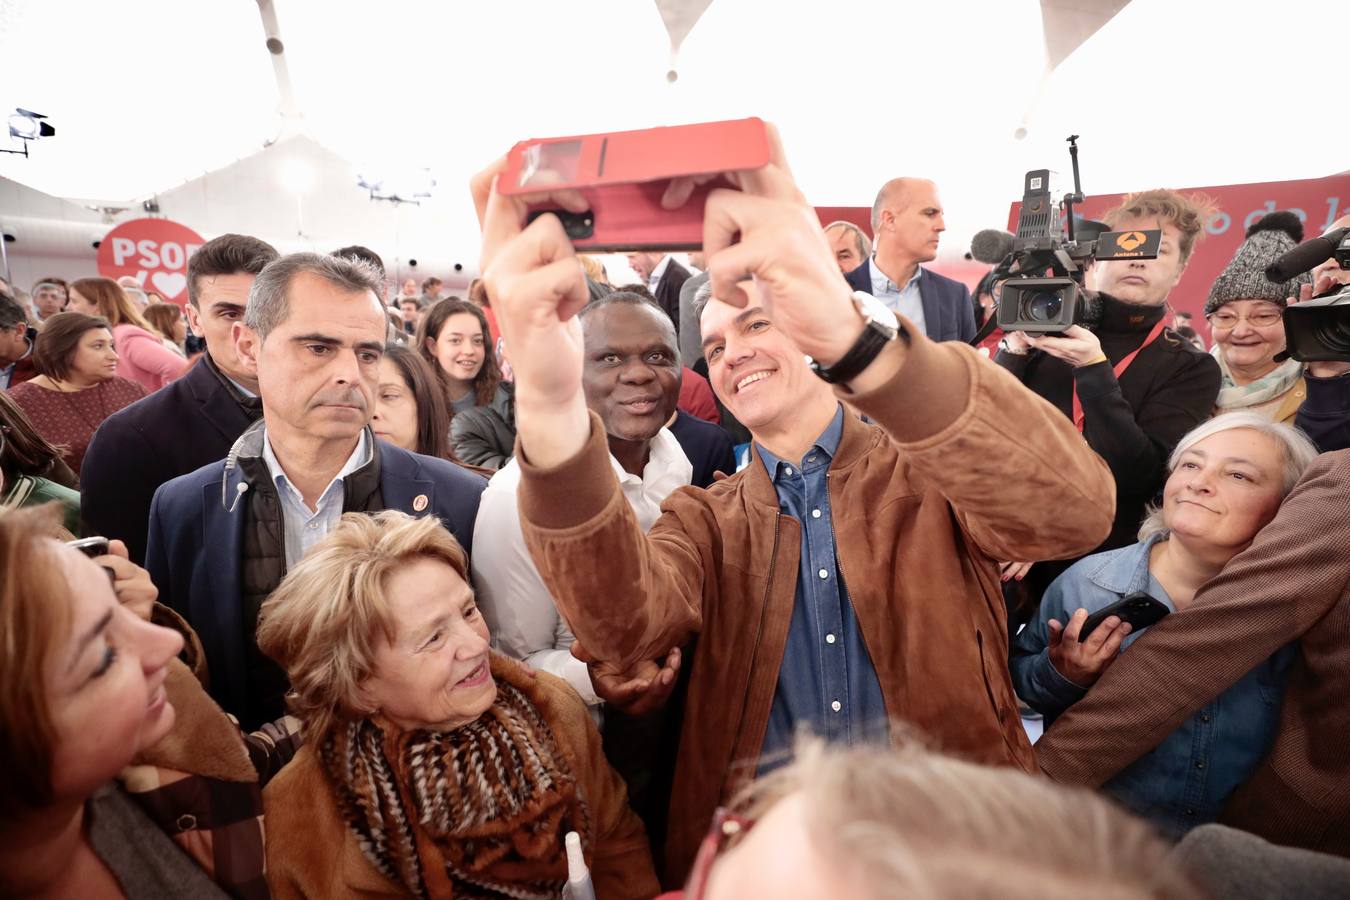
{"x": 907, "y": 224}
{"x": 222, "y": 538}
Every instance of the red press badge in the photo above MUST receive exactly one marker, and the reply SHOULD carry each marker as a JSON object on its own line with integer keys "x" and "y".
{"x": 623, "y": 176}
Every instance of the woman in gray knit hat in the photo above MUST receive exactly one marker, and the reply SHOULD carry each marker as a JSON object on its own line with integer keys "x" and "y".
{"x": 1245, "y": 312}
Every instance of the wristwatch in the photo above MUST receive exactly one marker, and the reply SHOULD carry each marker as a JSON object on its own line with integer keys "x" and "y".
{"x": 880, "y": 328}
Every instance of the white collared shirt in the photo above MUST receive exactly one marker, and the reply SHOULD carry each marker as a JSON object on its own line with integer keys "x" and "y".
{"x": 655, "y": 278}
{"x": 908, "y": 302}
{"x": 518, "y": 607}
{"x": 304, "y": 527}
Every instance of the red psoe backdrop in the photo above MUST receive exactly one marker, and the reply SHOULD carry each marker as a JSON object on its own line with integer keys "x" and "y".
{"x": 153, "y": 251}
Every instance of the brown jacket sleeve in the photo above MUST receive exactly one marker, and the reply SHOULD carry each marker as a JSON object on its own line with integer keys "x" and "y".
{"x": 1024, "y": 483}
{"x": 626, "y": 596}
{"x": 1266, "y": 597}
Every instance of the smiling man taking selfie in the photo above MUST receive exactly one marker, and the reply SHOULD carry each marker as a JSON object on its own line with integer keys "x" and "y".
{"x": 847, "y": 577}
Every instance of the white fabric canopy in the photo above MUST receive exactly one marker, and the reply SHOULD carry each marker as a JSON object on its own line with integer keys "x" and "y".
{"x": 148, "y": 95}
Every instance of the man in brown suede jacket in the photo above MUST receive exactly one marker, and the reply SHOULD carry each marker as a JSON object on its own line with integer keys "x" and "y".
{"x": 891, "y": 611}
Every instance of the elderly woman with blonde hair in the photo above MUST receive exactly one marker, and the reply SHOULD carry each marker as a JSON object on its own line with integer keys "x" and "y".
{"x": 434, "y": 767}
{"x": 872, "y": 823}
{"x": 1228, "y": 478}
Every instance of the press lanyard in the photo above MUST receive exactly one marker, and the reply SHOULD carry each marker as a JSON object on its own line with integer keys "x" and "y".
{"x": 1119, "y": 369}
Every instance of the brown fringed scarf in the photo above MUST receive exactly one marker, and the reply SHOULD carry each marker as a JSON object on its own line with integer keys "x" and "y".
{"x": 491, "y": 800}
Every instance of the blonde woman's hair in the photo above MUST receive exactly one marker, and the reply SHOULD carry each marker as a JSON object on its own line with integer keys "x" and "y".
{"x": 911, "y": 823}
{"x": 112, "y": 302}
{"x": 595, "y": 270}
{"x": 34, "y": 619}
{"x": 1296, "y": 449}
{"x": 324, "y": 620}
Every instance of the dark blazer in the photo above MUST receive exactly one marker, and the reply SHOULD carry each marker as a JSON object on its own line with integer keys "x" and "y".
{"x": 195, "y": 546}
{"x": 947, "y": 312}
{"x": 179, "y": 428}
{"x": 708, "y": 447}
{"x": 668, "y": 290}
{"x": 1290, "y": 585}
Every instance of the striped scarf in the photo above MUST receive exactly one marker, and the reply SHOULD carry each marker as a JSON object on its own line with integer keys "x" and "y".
{"x": 491, "y": 800}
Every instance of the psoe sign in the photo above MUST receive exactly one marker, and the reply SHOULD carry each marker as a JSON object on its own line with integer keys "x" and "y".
{"x": 153, "y": 251}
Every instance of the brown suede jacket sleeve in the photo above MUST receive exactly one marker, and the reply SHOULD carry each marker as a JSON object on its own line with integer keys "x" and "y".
{"x": 1266, "y": 597}
{"x": 1024, "y": 483}
{"x": 1023, "y": 480}
{"x": 626, "y": 596}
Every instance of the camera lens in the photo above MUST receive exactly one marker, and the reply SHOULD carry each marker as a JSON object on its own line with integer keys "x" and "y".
{"x": 1044, "y": 306}
{"x": 1334, "y": 335}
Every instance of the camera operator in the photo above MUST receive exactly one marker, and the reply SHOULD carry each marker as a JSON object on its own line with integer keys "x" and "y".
{"x": 1132, "y": 386}
{"x": 1325, "y": 414}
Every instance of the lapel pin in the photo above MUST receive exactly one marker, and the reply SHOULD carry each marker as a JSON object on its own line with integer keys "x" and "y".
{"x": 419, "y": 502}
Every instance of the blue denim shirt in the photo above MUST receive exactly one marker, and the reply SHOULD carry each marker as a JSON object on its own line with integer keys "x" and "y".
{"x": 827, "y": 683}
{"x": 1186, "y": 779}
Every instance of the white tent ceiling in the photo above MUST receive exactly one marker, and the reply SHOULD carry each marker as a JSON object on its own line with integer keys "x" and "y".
{"x": 149, "y": 94}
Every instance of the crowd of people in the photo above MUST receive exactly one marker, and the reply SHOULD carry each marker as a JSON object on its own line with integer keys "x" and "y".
{"x": 742, "y": 580}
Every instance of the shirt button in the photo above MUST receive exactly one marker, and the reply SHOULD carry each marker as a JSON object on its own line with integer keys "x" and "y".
{"x": 1200, "y": 764}
{"x": 823, "y": 573}
{"x": 811, "y": 458}
{"x": 787, "y": 470}
{"x": 815, "y": 514}
{"x": 836, "y": 706}
{"x": 1204, "y": 718}
{"x": 313, "y": 525}
{"x": 1190, "y": 812}
{"x": 829, "y": 639}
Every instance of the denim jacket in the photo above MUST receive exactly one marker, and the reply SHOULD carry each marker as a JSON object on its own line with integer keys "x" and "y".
{"x": 1185, "y": 780}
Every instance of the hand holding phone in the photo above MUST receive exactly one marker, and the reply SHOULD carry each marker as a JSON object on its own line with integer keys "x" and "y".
{"x": 1139, "y": 610}
{"x": 1083, "y": 662}
{"x": 130, "y": 582}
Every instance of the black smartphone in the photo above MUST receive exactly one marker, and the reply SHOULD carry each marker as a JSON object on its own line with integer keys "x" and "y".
{"x": 1139, "y": 609}
{"x": 92, "y": 547}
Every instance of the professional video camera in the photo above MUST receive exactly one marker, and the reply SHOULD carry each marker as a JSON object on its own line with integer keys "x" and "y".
{"x": 1044, "y": 292}
{"x": 1319, "y": 329}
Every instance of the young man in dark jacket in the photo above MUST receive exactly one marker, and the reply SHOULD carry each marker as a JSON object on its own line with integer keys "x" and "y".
{"x": 188, "y": 423}
{"x": 222, "y": 537}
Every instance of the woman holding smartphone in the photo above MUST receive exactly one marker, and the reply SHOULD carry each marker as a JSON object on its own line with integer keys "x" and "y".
{"x": 1228, "y": 479}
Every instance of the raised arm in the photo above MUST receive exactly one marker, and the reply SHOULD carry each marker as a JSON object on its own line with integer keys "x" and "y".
{"x": 1022, "y": 480}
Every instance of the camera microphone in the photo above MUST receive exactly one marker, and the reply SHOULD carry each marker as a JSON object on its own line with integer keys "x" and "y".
{"x": 992, "y": 245}
{"x": 1306, "y": 256}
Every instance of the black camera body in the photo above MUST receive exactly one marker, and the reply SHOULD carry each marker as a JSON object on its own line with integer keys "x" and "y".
{"x": 1319, "y": 330}
{"x": 1047, "y": 305}
{"x": 1043, "y": 292}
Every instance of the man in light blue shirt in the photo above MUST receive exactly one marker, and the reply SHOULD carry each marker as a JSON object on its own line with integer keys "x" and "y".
{"x": 303, "y": 526}
{"x": 907, "y": 225}
{"x": 222, "y": 538}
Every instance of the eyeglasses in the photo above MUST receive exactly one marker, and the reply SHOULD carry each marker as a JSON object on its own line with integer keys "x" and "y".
{"x": 726, "y": 831}
{"x": 1225, "y": 320}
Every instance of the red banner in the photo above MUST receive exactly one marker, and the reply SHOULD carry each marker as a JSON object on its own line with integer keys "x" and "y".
{"x": 153, "y": 251}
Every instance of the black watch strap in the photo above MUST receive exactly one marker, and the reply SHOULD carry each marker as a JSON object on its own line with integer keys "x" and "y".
{"x": 869, "y": 345}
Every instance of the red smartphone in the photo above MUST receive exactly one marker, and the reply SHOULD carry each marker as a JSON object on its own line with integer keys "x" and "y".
{"x": 623, "y": 176}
